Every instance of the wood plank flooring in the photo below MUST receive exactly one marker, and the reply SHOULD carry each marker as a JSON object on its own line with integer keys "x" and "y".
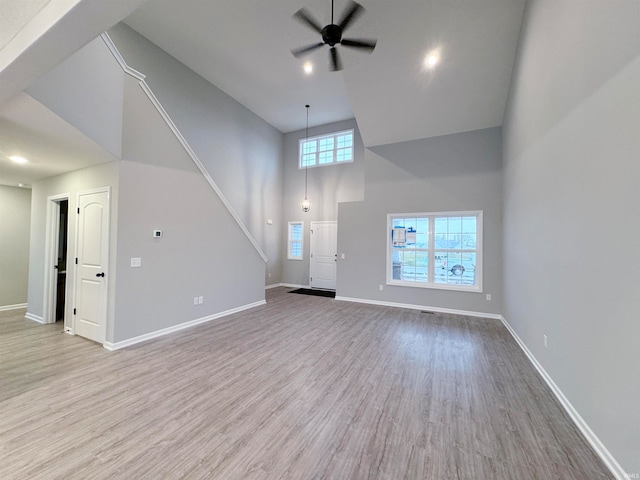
{"x": 300, "y": 388}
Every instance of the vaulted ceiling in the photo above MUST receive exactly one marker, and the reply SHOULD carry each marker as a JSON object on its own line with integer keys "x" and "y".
{"x": 243, "y": 47}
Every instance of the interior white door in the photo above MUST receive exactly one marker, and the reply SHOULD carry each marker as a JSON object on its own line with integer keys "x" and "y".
{"x": 323, "y": 255}
{"x": 90, "y": 310}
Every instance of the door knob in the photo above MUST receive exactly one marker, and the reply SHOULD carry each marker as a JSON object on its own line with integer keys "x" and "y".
{"x": 101, "y": 274}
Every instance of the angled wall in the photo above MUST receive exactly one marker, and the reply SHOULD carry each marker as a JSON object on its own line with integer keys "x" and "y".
{"x": 457, "y": 172}
{"x": 202, "y": 251}
{"x": 155, "y": 184}
{"x": 86, "y": 90}
{"x": 571, "y": 209}
{"x": 240, "y": 151}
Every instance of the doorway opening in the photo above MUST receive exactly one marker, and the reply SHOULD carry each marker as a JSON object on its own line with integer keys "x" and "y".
{"x": 61, "y": 265}
{"x": 56, "y": 252}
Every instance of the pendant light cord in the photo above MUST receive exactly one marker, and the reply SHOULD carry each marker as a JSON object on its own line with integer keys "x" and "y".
{"x": 306, "y": 164}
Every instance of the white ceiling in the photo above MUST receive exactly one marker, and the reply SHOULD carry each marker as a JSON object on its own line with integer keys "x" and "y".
{"x": 243, "y": 47}
{"x": 51, "y": 145}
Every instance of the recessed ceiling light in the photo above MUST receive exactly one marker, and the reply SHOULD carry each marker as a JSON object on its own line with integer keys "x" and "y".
{"x": 308, "y": 68}
{"x": 19, "y": 160}
{"x": 431, "y": 60}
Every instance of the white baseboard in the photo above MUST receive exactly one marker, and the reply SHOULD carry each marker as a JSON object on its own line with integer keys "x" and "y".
{"x": 5, "y": 308}
{"x": 177, "y": 328}
{"x": 467, "y": 313}
{"x": 604, "y": 454}
{"x": 35, "y": 318}
{"x": 288, "y": 285}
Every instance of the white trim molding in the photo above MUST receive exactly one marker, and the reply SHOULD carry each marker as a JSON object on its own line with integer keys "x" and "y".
{"x": 176, "y": 328}
{"x": 5, "y": 308}
{"x": 172, "y": 126}
{"x": 288, "y": 285}
{"x": 35, "y": 318}
{"x": 468, "y": 313}
{"x": 597, "y": 445}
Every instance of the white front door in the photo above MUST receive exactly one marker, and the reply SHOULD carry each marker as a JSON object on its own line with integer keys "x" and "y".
{"x": 323, "y": 255}
{"x": 90, "y": 309}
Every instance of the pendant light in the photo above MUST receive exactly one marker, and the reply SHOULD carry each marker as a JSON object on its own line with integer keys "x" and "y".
{"x": 305, "y": 204}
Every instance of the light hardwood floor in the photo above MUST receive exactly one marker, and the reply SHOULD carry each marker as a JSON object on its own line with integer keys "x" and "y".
{"x": 301, "y": 388}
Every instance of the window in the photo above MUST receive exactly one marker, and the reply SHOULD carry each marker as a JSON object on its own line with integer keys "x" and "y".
{"x": 326, "y": 149}
{"x": 435, "y": 250}
{"x": 294, "y": 243}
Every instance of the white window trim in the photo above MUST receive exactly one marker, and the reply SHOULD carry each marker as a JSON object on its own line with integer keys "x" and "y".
{"x": 477, "y": 288}
{"x": 327, "y": 135}
{"x": 289, "y": 256}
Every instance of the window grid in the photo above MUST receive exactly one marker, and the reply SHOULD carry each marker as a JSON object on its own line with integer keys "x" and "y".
{"x": 295, "y": 241}
{"x": 326, "y": 149}
{"x": 435, "y": 250}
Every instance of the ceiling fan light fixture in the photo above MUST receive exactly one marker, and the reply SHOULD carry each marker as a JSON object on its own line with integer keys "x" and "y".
{"x": 308, "y": 68}
{"x": 331, "y": 34}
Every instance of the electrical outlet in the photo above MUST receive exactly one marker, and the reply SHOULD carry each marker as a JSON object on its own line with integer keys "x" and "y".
{"x": 488, "y": 296}
{"x": 544, "y": 340}
{"x": 195, "y": 300}
{"x": 269, "y": 274}
{"x": 381, "y": 287}
{"x": 200, "y": 300}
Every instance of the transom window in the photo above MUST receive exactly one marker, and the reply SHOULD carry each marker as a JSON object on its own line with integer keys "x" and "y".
{"x": 435, "y": 250}
{"x": 326, "y": 149}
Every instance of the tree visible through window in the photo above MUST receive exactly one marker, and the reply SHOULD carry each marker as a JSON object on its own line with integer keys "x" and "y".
{"x": 435, "y": 250}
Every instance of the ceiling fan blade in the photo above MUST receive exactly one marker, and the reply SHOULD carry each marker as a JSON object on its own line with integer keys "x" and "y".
{"x": 303, "y": 16}
{"x": 359, "y": 43}
{"x": 353, "y": 12}
{"x": 299, "y": 52}
{"x": 336, "y": 64}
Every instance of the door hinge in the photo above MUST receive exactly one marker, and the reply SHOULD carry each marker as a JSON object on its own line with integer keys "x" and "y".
{"x": 74, "y": 311}
{"x": 76, "y": 260}
{"x": 78, "y": 210}
{"x": 312, "y": 255}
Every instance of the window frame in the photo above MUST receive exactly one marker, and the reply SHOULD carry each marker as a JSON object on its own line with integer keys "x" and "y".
{"x": 290, "y": 240}
{"x": 334, "y": 151}
{"x": 477, "y": 288}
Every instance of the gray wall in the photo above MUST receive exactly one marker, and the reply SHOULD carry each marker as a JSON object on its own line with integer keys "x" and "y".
{"x": 70, "y": 183}
{"x": 203, "y": 252}
{"x": 241, "y": 152}
{"x": 327, "y": 187}
{"x": 448, "y": 173}
{"x": 155, "y": 186}
{"x": 571, "y": 209}
{"x": 70, "y": 90}
{"x": 15, "y": 214}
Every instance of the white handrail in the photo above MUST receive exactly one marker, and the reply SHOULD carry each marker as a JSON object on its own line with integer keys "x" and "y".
{"x": 165, "y": 116}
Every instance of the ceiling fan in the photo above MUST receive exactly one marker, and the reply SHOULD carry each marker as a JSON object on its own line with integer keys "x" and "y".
{"x": 332, "y": 34}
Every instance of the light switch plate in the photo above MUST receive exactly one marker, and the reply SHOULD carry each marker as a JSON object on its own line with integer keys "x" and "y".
{"x": 136, "y": 262}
